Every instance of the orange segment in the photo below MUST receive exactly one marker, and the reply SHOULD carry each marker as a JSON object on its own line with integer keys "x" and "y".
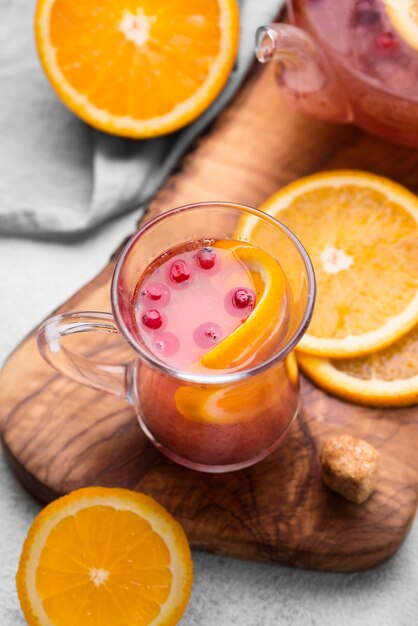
{"x": 361, "y": 232}
{"x": 385, "y": 378}
{"x": 104, "y": 556}
{"x": 270, "y": 284}
{"x": 137, "y": 68}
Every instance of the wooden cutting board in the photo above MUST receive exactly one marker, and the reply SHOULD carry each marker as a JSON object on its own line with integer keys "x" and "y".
{"x": 59, "y": 436}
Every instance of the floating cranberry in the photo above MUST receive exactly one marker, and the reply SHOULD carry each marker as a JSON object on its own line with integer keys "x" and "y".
{"x": 156, "y": 292}
{"x": 206, "y": 258}
{"x": 387, "y": 43}
{"x": 243, "y": 297}
{"x": 179, "y": 271}
{"x": 240, "y": 301}
{"x": 166, "y": 344}
{"x": 152, "y": 319}
{"x": 207, "y": 335}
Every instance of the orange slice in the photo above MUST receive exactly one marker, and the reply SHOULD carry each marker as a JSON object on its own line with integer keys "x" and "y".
{"x": 270, "y": 284}
{"x": 404, "y": 16}
{"x": 385, "y": 378}
{"x": 226, "y": 404}
{"x": 361, "y": 232}
{"x": 245, "y": 401}
{"x": 104, "y": 556}
{"x": 137, "y": 69}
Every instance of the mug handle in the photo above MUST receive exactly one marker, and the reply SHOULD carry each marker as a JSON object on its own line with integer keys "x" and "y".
{"x": 111, "y": 378}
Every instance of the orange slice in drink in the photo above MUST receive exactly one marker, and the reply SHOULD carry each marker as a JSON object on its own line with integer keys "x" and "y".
{"x": 385, "y": 378}
{"x": 104, "y": 556}
{"x": 247, "y": 399}
{"x": 361, "y": 232}
{"x": 228, "y": 404}
{"x": 243, "y": 401}
{"x": 250, "y": 336}
{"x": 137, "y": 69}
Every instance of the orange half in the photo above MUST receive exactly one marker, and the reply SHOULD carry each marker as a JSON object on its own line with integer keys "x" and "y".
{"x": 104, "y": 556}
{"x": 137, "y": 68}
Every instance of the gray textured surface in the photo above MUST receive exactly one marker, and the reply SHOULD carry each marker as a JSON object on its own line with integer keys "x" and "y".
{"x": 36, "y": 277}
{"x": 79, "y": 177}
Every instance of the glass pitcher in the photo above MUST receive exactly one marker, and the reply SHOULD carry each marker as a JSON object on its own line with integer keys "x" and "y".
{"x": 349, "y": 61}
{"x": 215, "y": 422}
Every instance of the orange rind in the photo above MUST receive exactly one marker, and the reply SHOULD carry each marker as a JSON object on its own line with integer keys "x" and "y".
{"x": 385, "y": 378}
{"x": 270, "y": 286}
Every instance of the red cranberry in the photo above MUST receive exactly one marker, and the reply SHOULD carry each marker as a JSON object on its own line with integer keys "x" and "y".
{"x": 166, "y": 344}
{"x": 242, "y": 297}
{"x": 156, "y": 292}
{"x": 239, "y": 301}
{"x": 207, "y": 335}
{"x": 387, "y": 43}
{"x": 179, "y": 271}
{"x": 206, "y": 258}
{"x": 152, "y": 319}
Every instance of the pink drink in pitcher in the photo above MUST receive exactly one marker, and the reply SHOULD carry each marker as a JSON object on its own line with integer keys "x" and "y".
{"x": 350, "y": 61}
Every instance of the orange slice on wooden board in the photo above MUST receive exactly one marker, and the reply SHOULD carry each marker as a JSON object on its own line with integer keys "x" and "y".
{"x": 270, "y": 288}
{"x": 138, "y": 69}
{"x": 361, "y": 232}
{"x": 385, "y": 378}
{"x": 104, "y": 556}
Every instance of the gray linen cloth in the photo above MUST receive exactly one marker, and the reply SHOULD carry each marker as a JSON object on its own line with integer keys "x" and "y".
{"x": 58, "y": 176}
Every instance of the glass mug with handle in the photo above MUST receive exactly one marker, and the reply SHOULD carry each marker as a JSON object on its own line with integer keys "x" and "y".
{"x": 208, "y": 419}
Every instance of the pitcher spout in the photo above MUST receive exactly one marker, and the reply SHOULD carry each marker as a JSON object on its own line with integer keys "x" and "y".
{"x": 302, "y": 72}
{"x": 295, "y": 51}
{"x": 266, "y": 43}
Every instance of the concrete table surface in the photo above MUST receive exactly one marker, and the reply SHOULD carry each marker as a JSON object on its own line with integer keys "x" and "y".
{"x": 35, "y": 277}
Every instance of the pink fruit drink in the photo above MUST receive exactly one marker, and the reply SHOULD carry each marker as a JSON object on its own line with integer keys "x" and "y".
{"x": 186, "y": 302}
{"x": 376, "y": 67}
{"x": 190, "y": 301}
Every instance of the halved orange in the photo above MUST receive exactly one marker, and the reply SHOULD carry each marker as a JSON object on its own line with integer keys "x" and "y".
{"x": 138, "y": 68}
{"x": 270, "y": 283}
{"x": 361, "y": 232}
{"x": 104, "y": 556}
{"x": 385, "y": 378}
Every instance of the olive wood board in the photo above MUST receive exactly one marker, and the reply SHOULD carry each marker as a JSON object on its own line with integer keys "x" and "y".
{"x": 59, "y": 436}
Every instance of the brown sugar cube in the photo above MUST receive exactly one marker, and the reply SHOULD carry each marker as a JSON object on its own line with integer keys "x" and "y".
{"x": 350, "y": 467}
